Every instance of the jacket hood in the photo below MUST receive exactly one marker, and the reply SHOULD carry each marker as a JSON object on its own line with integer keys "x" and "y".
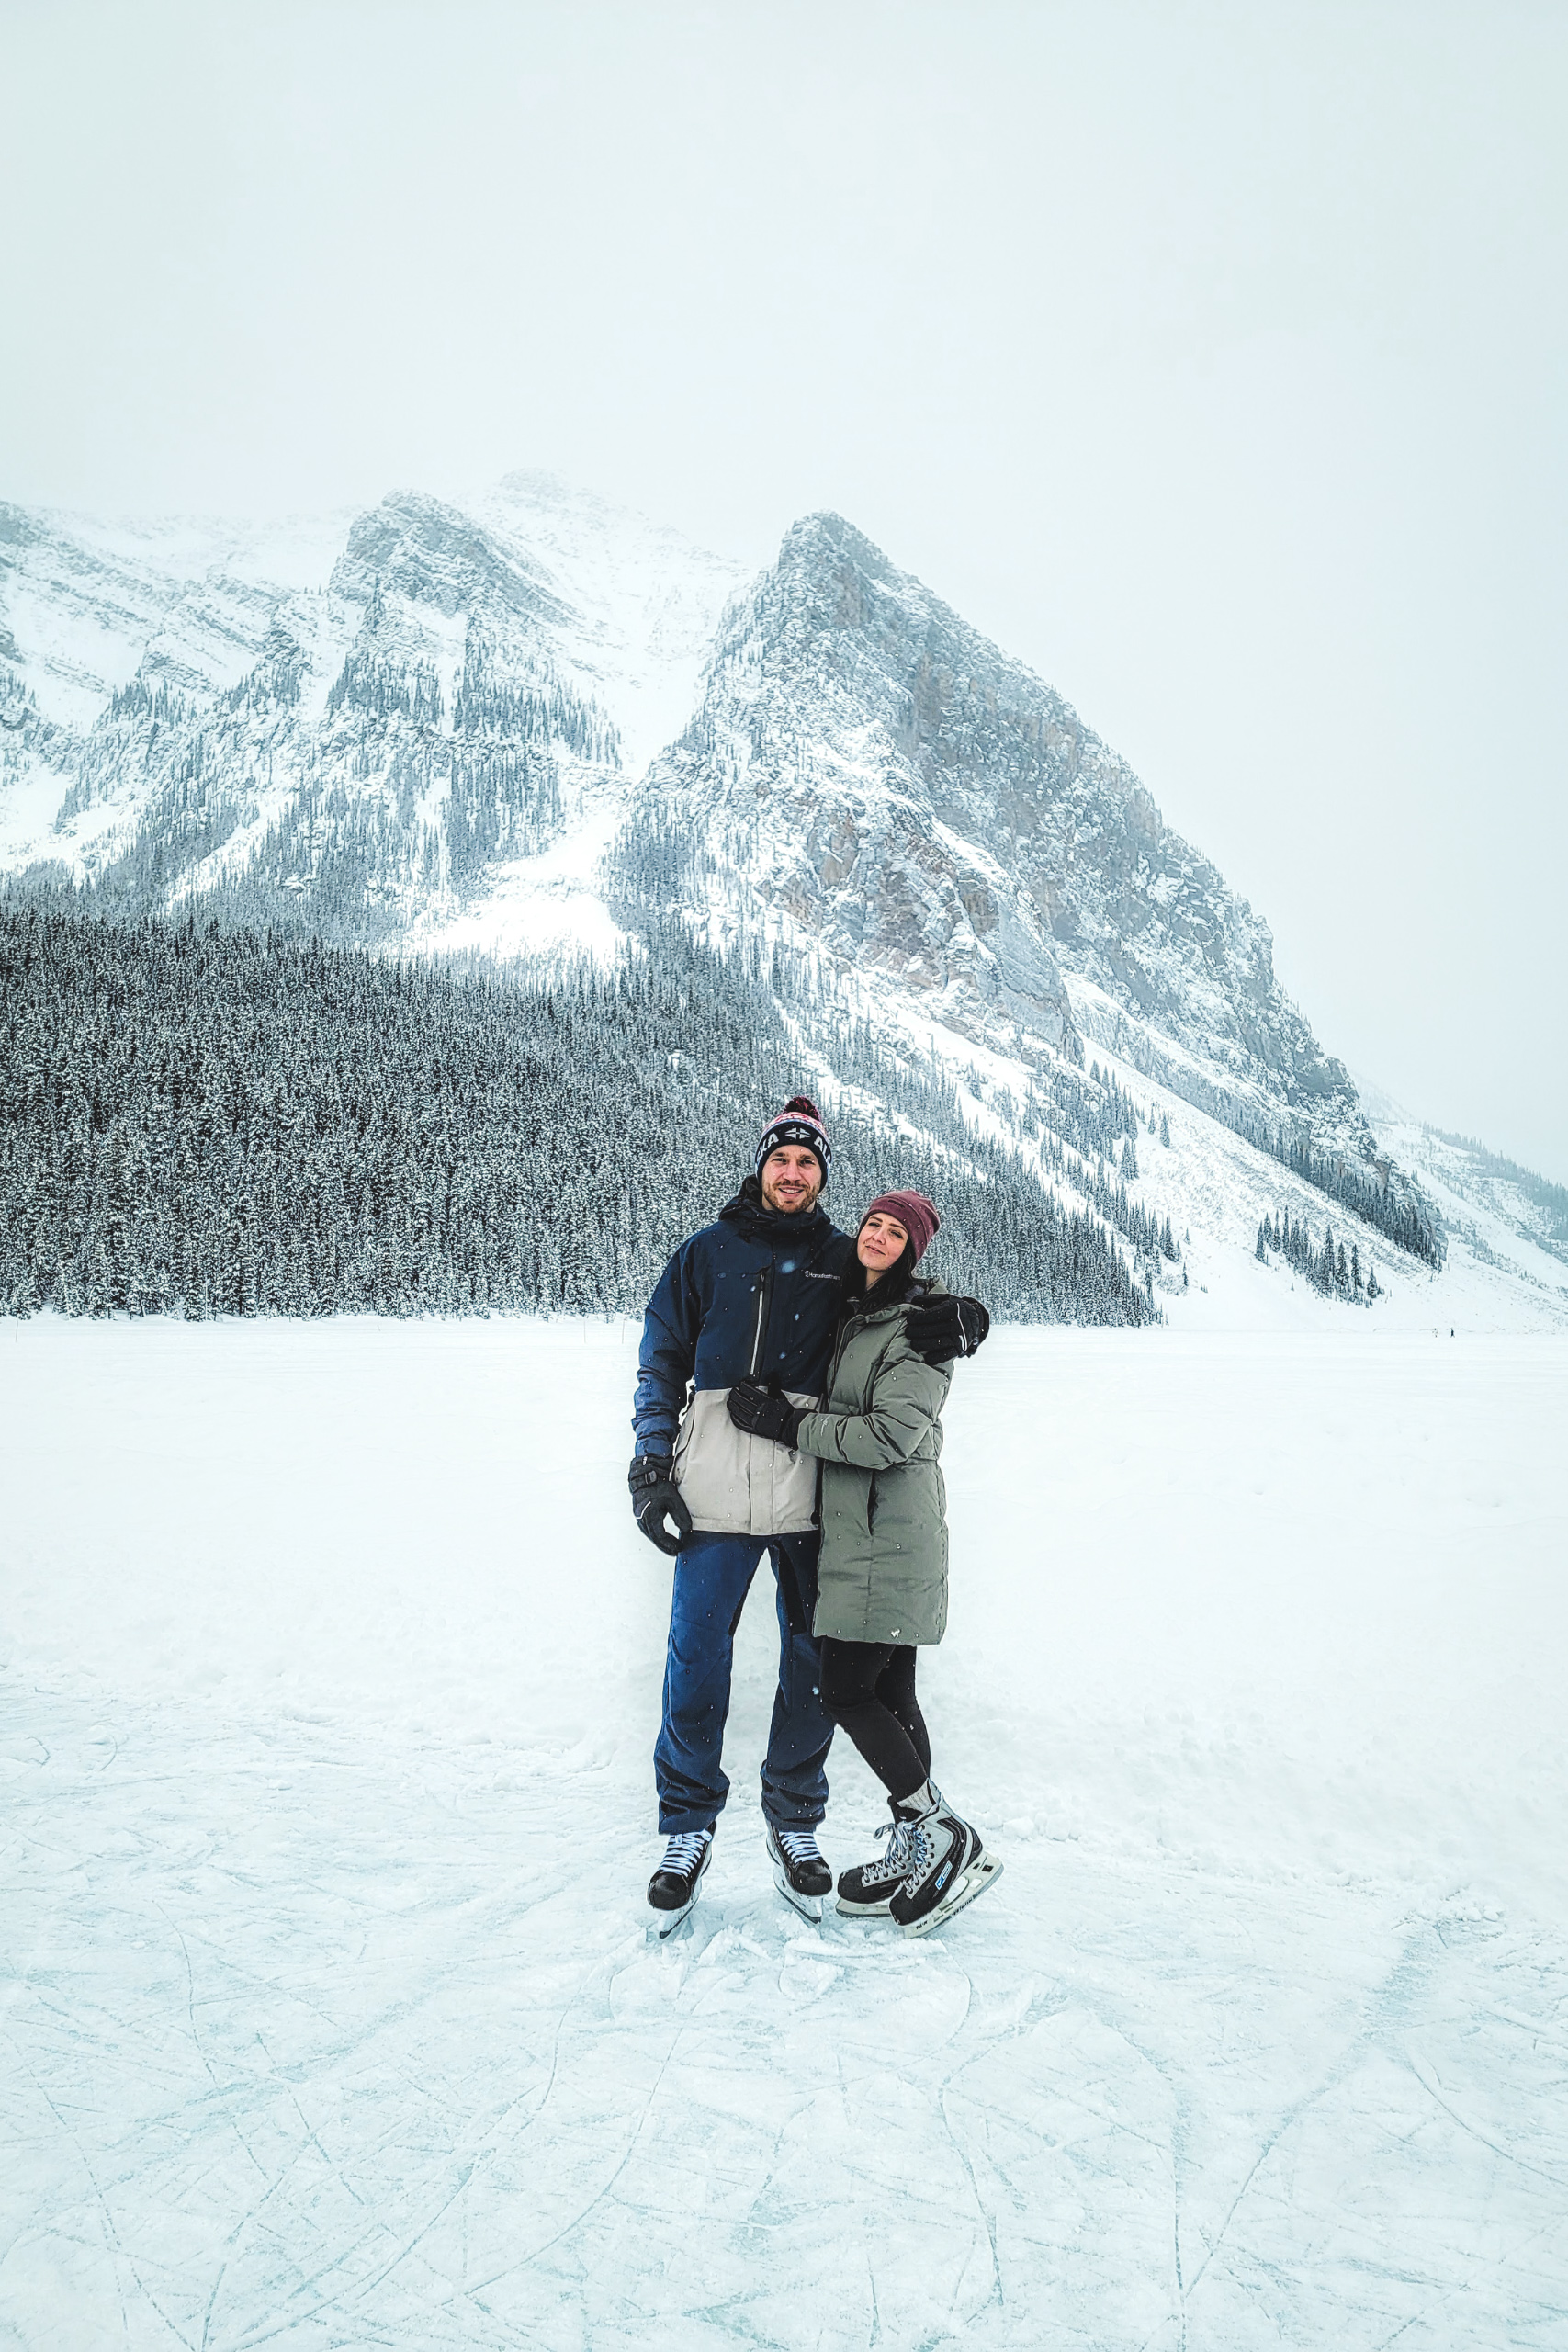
{"x": 895, "y": 1290}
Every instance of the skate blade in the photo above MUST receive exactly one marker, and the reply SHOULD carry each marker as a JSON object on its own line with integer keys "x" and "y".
{"x": 975, "y": 1881}
{"x": 808, "y": 1906}
{"x": 863, "y": 1910}
{"x": 665, "y": 1924}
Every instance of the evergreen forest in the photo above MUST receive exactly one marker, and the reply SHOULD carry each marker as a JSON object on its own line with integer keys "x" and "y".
{"x": 201, "y": 1121}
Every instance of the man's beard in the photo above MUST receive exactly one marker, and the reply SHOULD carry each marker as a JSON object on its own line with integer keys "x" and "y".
{"x": 792, "y": 1208}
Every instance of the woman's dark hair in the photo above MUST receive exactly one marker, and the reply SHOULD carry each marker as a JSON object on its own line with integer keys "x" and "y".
{"x": 891, "y": 1287}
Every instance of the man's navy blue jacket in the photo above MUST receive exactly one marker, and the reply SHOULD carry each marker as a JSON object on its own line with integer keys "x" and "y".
{"x": 755, "y": 1293}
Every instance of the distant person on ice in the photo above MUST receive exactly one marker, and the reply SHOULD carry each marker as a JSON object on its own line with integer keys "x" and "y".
{"x": 882, "y": 1575}
{"x": 755, "y": 1296}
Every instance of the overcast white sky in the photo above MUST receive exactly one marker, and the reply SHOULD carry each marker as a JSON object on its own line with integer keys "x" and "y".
{"x": 1210, "y": 358}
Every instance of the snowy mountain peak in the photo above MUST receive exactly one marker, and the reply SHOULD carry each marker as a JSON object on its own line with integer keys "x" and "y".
{"x": 892, "y": 785}
{"x": 434, "y": 555}
{"x": 424, "y": 726}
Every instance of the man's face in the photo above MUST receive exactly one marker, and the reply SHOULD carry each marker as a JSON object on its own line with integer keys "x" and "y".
{"x": 792, "y": 1178}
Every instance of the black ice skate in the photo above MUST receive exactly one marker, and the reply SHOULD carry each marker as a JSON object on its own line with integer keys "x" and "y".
{"x": 951, "y": 1868}
{"x": 866, "y": 1891}
{"x": 677, "y": 1883}
{"x": 800, "y": 1873}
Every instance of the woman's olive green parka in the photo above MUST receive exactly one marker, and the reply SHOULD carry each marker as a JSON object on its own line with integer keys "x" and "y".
{"x": 882, "y": 1576}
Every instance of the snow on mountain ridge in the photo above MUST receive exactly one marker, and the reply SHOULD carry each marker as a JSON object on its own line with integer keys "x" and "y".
{"x": 650, "y": 597}
{"x": 85, "y": 602}
{"x": 460, "y": 690}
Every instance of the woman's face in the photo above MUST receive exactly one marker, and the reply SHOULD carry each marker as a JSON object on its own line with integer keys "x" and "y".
{"x": 881, "y": 1245}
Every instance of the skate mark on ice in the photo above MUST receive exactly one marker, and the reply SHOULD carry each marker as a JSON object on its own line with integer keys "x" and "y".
{"x": 1407, "y": 1972}
{"x": 218, "y": 2091}
{"x": 356, "y": 2289}
{"x": 310, "y": 2138}
{"x": 987, "y": 2221}
{"x": 115, "y": 2251}
{"x": 1509, "y": 2155}
{"x": 1287, "y": 2123}
{"x": 27, "y": 1763}
{"x": 1405, "y": 2325}
{"x": 211, "y": 2306}
{"x": 600, "y": 2194}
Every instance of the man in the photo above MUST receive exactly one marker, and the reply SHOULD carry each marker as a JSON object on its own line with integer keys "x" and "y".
{"x": 755, "y": 1295}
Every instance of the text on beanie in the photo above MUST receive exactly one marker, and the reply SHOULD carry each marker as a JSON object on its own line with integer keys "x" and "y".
{"x": 799, "y": 1121}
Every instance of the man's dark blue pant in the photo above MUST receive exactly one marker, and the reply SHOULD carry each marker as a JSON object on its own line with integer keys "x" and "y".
{"x": 713, "y": 1576}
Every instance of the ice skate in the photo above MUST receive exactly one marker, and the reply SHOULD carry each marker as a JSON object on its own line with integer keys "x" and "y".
{"x": 800, "y": 1873}
{"x": 677, "y": 1883}
{"x": 950, "y": 1867}
{"x": 865, "y": 1891}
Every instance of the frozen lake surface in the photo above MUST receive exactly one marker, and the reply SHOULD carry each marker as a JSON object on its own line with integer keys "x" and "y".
{"x": 329, "y": 1674}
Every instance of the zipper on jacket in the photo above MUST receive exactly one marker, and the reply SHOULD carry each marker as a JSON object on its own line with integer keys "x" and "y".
{"x": 765, "y": 1292}
{"x": 870, "y": 1506}
{"x": 839, "y": 1344}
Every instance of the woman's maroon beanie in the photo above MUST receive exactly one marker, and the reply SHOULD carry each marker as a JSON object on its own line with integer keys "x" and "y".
{"x": 915, "y": 1214}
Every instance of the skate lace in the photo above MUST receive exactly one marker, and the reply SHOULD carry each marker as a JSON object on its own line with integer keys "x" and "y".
{"x": 683, "y": 1848}
{"x": 923, "y": 1851}
{"x": 798, "y": 1845}
{"x": 896, "y": 1861}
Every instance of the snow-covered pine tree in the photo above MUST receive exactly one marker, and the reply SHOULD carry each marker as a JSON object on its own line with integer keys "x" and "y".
{"x": 303, "y": 1130}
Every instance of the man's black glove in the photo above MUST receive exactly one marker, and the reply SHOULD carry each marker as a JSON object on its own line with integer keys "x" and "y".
{"x": 655, "y": 1497}
{"x": 764, "y": 1412}
{"x": 940, "y": 1328}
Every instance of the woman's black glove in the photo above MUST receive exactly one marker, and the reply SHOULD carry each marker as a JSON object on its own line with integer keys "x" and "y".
{"x": 764, "y": 1412}
{"x": 655, "y": 1497}
{"x": 940, "y": 1328}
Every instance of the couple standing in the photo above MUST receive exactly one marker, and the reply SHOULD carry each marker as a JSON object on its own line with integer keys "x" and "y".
{"x": 789, "y": 1398}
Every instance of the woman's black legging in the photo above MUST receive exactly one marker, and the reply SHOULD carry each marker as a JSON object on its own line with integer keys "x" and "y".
{"x": 869, "y": 1689}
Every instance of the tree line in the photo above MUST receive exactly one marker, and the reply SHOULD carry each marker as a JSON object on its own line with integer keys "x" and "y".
{"x": 1325, "y": 1264}
{"x": 202, "y": 1121}
{"x": 1396, "y": 1209}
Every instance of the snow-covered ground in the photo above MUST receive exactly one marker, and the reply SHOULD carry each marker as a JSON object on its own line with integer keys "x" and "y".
{"x": 330, "y": 1667}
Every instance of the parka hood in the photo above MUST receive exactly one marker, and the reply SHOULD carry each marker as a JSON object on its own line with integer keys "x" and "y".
{"x": 900, "y": 1287}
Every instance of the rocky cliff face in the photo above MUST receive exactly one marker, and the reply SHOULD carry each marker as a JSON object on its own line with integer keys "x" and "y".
{"x": 366, "y": 729}
{"x": 868, "y": 765}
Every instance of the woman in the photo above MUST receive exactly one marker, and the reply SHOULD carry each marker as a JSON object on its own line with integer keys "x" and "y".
{"x": 882, "y": 1579}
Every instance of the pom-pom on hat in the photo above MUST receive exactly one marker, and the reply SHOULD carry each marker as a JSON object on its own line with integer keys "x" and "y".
{"x": 799, "y": 1121}
{"x": 915, "y": 1214}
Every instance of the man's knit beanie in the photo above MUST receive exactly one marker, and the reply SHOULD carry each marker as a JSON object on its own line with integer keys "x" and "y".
{"x": 915, "y": 1214}
{"x": 799, "y": 1121}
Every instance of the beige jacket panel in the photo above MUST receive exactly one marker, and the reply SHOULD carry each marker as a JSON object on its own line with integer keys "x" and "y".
{"x": 735, "y": 1483}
